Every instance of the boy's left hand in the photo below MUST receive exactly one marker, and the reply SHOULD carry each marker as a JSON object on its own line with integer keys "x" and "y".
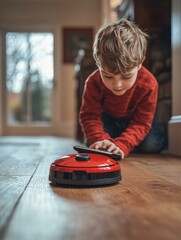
{"x": 107, "y": 145}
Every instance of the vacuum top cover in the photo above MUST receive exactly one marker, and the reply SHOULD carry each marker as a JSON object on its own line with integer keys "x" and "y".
{"x": 83, "y": 160}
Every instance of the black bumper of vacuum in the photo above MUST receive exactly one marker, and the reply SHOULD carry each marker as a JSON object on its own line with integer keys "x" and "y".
{"x": 82, "y": 178}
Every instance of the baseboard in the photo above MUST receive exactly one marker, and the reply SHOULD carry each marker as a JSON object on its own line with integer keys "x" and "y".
{"x": 174, "y": 139}
{"x": 66, "y": 129}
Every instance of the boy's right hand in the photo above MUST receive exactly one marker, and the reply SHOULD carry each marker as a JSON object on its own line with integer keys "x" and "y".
{"x": 108, "y": 146}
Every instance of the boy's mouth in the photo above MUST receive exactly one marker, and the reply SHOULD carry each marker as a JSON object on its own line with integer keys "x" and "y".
{"x": 118, "y": 90}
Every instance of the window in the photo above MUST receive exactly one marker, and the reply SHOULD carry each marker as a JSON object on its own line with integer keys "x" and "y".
{"x": 29, "y": 77}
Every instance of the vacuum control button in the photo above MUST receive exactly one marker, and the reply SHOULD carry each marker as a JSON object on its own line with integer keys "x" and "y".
{"x": 82, "y": 157}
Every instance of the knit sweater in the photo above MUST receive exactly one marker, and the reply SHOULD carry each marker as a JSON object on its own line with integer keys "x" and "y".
{"x": 137, "y": 104}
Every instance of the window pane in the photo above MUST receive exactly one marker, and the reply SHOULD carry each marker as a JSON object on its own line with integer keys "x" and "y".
{"x": 29, "y": 77}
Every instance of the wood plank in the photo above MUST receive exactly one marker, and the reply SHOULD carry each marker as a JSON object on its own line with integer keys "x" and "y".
{"x": 11, "y": 189}
{"x": 166, "y": 166}
{"x": 19, "y": 158}
{"x": 143, "y": 206}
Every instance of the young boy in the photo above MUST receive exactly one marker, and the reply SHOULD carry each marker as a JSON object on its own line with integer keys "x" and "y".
{"x": 120, "y": 97}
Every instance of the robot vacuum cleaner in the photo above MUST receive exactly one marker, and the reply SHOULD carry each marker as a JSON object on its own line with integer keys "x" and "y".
{"x": 87, "y": 168}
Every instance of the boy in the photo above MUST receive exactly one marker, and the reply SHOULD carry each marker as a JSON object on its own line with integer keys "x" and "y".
{"x": 120, "y": 97}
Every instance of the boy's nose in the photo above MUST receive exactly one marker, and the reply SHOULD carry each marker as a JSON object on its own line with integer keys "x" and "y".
{"x": 117, "y": 84}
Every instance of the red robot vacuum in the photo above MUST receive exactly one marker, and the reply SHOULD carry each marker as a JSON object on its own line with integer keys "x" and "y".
{"x": 87, "y": 168}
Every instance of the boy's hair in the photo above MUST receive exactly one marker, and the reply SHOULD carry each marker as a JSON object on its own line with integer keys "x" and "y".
{"x": 120, "y": 46}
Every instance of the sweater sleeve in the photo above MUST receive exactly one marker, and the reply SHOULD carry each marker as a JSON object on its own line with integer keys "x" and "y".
{"x": 140, "y": 124}
{"x": 90, "y": 112}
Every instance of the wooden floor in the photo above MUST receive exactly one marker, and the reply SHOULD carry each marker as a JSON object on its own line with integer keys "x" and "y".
{"x": 145, "y": 205}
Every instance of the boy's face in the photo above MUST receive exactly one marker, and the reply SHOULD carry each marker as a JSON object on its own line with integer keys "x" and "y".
{"x": 117, "y": 83}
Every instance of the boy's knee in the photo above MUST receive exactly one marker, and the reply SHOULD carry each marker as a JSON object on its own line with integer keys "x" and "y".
{"x": 153, "y": 144}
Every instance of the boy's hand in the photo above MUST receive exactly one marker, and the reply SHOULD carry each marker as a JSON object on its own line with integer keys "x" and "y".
{"x": 108, "y": 146}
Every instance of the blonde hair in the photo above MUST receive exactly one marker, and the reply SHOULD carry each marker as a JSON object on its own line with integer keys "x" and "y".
{"x": 120, "y": 46}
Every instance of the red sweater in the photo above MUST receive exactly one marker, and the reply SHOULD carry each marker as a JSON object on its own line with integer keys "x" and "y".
{"x": 137, "y": 104}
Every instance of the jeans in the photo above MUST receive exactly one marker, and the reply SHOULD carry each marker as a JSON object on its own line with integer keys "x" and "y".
{"x": 154, "y": 142}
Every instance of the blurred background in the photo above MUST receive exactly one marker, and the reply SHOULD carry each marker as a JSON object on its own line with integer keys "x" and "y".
{"x": 46, "y": 56}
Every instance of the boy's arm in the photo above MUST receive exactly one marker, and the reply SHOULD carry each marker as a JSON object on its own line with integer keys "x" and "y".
{"x": 141, "y": 123}
{"x": 90, "y": 113}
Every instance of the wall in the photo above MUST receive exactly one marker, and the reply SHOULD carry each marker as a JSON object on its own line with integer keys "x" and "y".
{"x": 56, "y": 14}
{"x": 175, "y": 121}
{"x": 1, "y": 89}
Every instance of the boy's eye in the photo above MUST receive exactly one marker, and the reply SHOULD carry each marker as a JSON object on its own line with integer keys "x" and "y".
{"x": 127, "y": 77}
{"x": 107, "y": 76}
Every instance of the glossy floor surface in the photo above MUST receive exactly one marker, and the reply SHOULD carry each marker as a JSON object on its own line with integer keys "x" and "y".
{"x": 146, "y": 204}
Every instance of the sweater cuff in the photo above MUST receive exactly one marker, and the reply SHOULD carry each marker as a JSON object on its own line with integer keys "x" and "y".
{"x": 122, "y": 147}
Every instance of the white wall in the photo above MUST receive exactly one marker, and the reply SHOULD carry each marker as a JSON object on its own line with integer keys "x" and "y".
{"x": 175, "y": 121}
{"x": 56, "y": 14}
